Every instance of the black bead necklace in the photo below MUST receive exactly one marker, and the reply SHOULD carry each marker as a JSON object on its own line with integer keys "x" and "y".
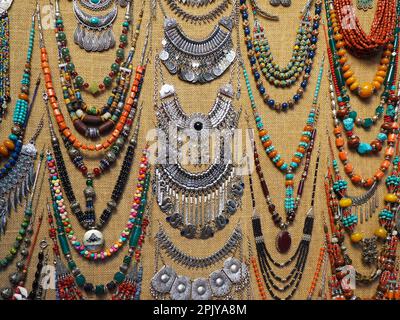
{"x": 271, "y": 279}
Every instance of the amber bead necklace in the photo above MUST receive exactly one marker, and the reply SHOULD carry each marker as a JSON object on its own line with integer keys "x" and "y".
{"x": 354, "y": 38}
{"x": 345, "y": 112}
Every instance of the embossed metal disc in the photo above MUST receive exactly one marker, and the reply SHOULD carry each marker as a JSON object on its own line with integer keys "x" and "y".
{"x": 164, "y": 55}
{"x": 201, "y": 289}
{"x": 181, "y": 288}
{"x": 220, "y": 284}
{"x": 5, "y": 4}
{"x": 235, "y": 270}
{"x": 163, "y": 279}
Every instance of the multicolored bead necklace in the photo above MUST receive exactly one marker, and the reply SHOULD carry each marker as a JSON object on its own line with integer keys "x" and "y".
{"x": 91, "y": 121}
{"x": 345, "y": 112}
{"x": 307, "y": 138}
{"x": 340, "y": 37}
{"x": 10, "y": 149}
{"x": 4, "y": 60}
{"x": 116, "y": 138}
{"x": 136, "y": 235}
{"x": 69, "y": 67}
{"x": 389, "y": 132}
{"x": 345, "y": 220}
{"x": 271, "y": 279}
{"x": 302, "y": 58}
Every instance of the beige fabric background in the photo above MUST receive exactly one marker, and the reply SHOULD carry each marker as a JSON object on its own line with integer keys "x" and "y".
{"x": 284, "y": 129}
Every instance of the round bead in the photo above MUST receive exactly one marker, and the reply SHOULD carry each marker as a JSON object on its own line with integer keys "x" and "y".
{"x": 345, "y": 202}
{"x": 366, "y": 90}
{"x": 356, "y": 237}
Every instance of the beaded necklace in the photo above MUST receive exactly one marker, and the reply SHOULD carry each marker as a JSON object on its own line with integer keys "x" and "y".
{"x": 11, "y": 148}
{"x": 355, "y": 37}
{"x": 22, "y": 232}
{"x": 389, "y": 131}
{"x": 91, "y": 121}
{"x": 4, "y": 57}
{"x": 115, "y": 141}
{"x": 342, "y": 219}
{"x": 344, "y": 111}
{"x": 138, "y": 218}
{"x": 307, "y": 138}
{"x": 271, "y": 279}
{"x": 302, "y": 59}
{"x": 24, "y": 241}
{"x": 69, "y": 67}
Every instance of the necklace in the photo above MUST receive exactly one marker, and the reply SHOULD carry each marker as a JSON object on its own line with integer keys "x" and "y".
{"x": 341, "y": 219}
{"x": 222, "y": 283}
{"x": 198, "y": 203}
{"x": 94, "y": 31}
{"x": 25, "y": 225}
{"x": 389, "y": 132}
{"x": 302, "y": 59}
{"x": 4, "y": 57}
{"x": 338, "y": 42}
{"x": 10, "y": 149}
{"x": 66, "y": 288}
{"x": 88, "y": 120}
{"x": 194, "y": 18}
{"x": 271, "y": 279}
{"x": 304, "y": 147}
{"x": 135, "y": 237}
{"x": 117, "y": 138}
{"x": 24, "y": 241}
{"x": 345, "y": 112}
{"x": 355, "y": 37}
{"x": 37, "y": 287}
{"x": 194, "y": 60}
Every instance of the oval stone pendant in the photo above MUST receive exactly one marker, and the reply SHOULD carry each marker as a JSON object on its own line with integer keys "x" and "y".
{"x": 283, "y": 241}
{"x": 93, "y": 240}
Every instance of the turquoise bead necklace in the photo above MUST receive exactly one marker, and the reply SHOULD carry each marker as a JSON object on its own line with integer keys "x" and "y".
{"x": 10, "y": 149}
{"x": 306, "y": 142}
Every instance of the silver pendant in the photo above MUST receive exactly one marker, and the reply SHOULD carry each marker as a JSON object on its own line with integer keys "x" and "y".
{"x": 93, "y": 240}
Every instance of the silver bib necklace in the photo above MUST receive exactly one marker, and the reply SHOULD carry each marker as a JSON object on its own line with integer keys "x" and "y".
{"x": 197, "y": 203}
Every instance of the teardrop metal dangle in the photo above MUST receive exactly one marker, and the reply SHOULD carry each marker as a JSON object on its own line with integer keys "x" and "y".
{"x": 198, "y": 203}
{"x": 94, "y": 32}
{"x": 365, "y": 4}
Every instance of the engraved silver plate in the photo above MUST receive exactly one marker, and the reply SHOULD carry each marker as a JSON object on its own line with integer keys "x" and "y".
{"x": 181, "y": 288}
{"x": 235, "y": 270}
{"x": 5, "y": 5}
{"x": 201, "y": 289}
{"x": 163, "y": 279}
{"x": 220, "y": 283}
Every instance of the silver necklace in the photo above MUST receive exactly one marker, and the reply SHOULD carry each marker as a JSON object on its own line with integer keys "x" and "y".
{"x": 197, "y": 203}
{"x": 225, "y": 282}
{"x": 94, "y": 31}
{"x": 197, "y": 61}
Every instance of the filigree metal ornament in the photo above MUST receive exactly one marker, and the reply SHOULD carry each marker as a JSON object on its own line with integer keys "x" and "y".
{"x": 365, "y": 4}
{"x": 197, "y": 61}
{"x": 15, "y": 186}
{"x": 198, "y": 203}
{"x": 96, "y": 5}
{"x": 94, "y": 33}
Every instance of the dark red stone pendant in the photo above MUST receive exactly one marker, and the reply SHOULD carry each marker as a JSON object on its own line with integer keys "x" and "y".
{"x": 283, "y": 241}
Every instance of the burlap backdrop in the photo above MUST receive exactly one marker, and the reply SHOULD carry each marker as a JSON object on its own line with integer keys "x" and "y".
{"x": 285, "y": 129}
